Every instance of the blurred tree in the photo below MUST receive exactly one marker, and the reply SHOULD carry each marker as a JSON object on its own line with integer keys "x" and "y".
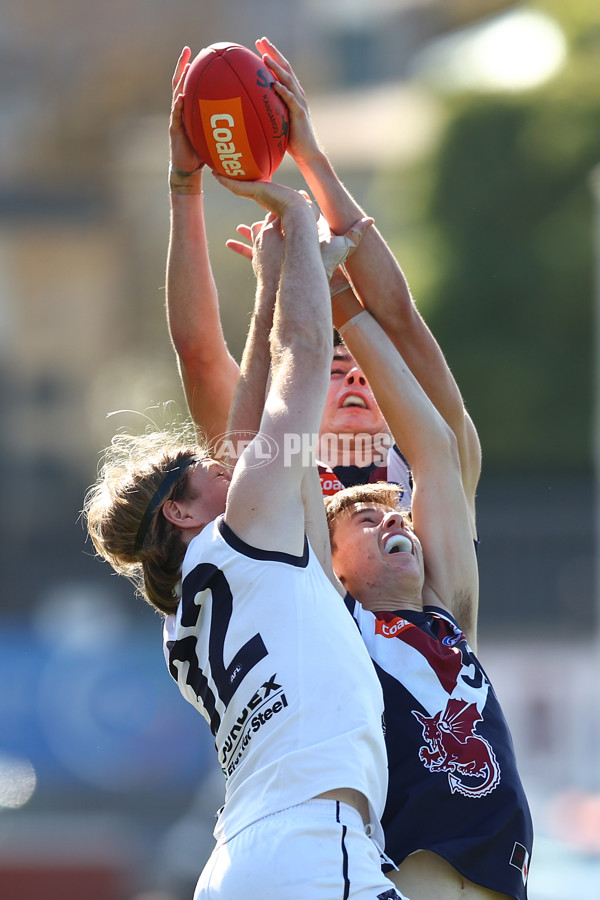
{"x": 509, "y": 208}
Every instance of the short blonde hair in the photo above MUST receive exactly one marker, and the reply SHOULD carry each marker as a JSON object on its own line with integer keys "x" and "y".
{"x": 382, "y": 493}
{"x": 122, "y": 519}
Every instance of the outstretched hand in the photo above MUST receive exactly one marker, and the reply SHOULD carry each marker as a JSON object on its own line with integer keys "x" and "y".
{"x": 184, "y": 158}
{"x": 265, "y": 247}
{"x": 275, "y": 198}
{"x": 302, "y": 141}
{"x": 336, "y": 248}
{"x": 249, "y": 232}
{"x": 244, "y": 249}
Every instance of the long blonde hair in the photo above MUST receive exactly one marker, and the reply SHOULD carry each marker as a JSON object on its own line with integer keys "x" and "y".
{"x": 137, "y": 474}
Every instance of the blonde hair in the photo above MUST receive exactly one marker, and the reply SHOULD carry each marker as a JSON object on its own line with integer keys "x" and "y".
{"x": 380, "y": 492}
{"x": 122, "y": 507}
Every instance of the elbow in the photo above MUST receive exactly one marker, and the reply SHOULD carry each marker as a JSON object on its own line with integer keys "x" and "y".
{"x": 190, "y": 349}
{"x": 448, "y": 444}
{"x": 195, "y": 355}
{"x": 436, "y": 450}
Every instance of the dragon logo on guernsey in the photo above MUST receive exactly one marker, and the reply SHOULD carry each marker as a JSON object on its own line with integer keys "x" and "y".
{"x": 455, "y": 748}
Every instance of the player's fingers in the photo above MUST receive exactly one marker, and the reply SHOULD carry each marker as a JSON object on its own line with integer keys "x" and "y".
{"x": 241, "y": 249}
{"x": 271, "y": 196}
{"x": 242, "y": 188}
{"x": 245, "y": 231}
{"x": 178, "y": 89}
{"x": 268, "y": 217}
{"x": 258, "y": 227}
{"x": 177, "y": 109}
{"x": 291, "y": 99}
{"x": 267, "y": 46}
{"x": 357, "y": 232}
{"x": 254, "y": 190}
{"x": 288, "y": 79}
{"x": 184, "y": 58}
{"x": 271, "y": 223}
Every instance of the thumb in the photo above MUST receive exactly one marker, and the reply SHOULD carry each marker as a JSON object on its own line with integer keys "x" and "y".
{"x": 358, "y": 231}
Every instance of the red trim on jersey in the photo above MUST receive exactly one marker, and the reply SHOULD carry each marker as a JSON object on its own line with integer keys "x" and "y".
{"x": 446, "y": 665}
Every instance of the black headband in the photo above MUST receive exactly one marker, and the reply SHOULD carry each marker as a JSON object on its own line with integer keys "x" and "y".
{"x": 171, "y": 476}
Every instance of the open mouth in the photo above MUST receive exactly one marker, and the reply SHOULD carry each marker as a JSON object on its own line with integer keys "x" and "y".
{"x": 398, "y": 543}
{"x": 350, "y": 400}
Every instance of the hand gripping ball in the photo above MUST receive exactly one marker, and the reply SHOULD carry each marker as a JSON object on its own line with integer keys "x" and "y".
{"x": 234, "y": 119}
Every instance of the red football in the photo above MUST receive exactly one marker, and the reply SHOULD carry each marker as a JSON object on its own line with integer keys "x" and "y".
{"x": 234, "y": 119}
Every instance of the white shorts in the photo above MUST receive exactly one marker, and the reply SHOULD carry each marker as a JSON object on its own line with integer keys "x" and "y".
{"x": 315, "y": 851}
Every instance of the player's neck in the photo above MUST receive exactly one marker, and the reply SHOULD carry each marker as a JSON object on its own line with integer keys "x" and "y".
{"x": 389, "y": 600}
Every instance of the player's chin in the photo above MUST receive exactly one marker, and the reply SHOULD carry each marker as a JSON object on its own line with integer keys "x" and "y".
{"x": 362, "y": 420}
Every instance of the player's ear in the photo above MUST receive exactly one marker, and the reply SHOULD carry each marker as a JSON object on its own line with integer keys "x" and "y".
{"x": 183, "y": 515}
{"x": 173, "y": 513}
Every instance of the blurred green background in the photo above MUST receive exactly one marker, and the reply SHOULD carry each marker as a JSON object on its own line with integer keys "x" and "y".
{"x": 507, "y": 209}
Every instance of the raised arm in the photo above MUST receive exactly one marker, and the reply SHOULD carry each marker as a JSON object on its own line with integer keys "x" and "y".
{"x": 266, "y": 252}
{"x": 265, "y": 503}
{"x": 440, "y": 512}
{"x": 378, "y": 279}
{"x": 207, "y": 369}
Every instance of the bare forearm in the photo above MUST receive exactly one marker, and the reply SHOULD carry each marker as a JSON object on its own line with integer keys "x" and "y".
{"x": 377, "y": 277}
{"x": 249, "y": 398}
{"x": 303, "y": 314}
{"x": 383, "y": 290}
{"x": 417, "y": 427}
{"x": 208, "y": 371}
{"x": 190, "y": 286}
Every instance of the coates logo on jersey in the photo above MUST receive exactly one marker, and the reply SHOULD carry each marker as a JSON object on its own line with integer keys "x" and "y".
{"x": 452, "y": 746}
{"x": 390, "y": 626}
{"x": 330, "y": 483}
{"x": 229, "y": 447}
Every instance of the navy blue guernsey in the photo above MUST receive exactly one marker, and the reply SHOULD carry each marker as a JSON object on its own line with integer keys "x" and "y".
{"x": 454, "y": 787}
{"x": 395, "y": 470}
